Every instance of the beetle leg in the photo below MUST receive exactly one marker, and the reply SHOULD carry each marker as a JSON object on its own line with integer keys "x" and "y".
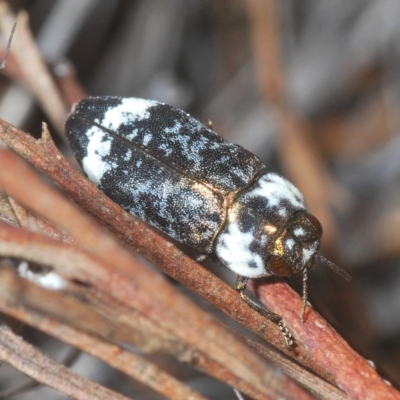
{"x": 241, "y": 284}
{"x": 303, "y": 308}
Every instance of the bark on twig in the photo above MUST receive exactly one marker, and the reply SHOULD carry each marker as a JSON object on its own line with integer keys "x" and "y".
{"x": 24, "y": 357}
{"x": 131, "y": 284}
{"x": 42, "y": 154}
{"x": 114, "y": 355}
{"x": 323, "y": 347}
{"x": 31, "y": 68}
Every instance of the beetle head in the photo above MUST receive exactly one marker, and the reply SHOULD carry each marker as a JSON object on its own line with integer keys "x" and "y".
{"x": 295, "y": 247}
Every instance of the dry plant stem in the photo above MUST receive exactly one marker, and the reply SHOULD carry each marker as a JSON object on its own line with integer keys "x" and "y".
{"x": 6, "y": 210}
{"x": 347, "y": 369}
{"x": 301, "y": 159}
{"x": 15, "y": 291}
{"x": 31, "y": 222}
{"x": 30, "y": 63}
{"x": 180, "y": 265}
{"x": 24, "y": 357}
{"x": 45, "y": 156}
{"x": 343, "y": 366}
{"x": 170, "y": 310}
{"x": 320, "y": 388}
{"x": 299, "y": 155}
{"x": 71, "y": 89}
{"x": 265, "y": 36}
{"x": 114, "y": 355}
{"x": 88, "y": 315}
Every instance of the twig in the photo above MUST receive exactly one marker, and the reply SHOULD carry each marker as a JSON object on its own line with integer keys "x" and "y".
{"x": 32, "y": 222}
{"x": 32, "y": 68}
{"x": 43, "y": 154}
{"x": 3, "y": 63}
{"x": 313, "y": 383}
{"x": 123, "y": 360}
{"x": 299, "y": 154}
{"x": 322, "y": 345}
{"x": 132, "y": 284}
{"x": 21, "y": 355}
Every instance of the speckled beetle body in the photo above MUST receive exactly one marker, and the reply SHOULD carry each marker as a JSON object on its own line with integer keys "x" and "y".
{"x": 171, "y": 171}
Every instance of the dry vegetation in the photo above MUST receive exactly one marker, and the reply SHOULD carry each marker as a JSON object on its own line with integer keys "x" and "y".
{"x": 312, "y": 85}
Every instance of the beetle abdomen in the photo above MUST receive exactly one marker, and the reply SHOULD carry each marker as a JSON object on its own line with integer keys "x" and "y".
{"x": 160, "y": 164}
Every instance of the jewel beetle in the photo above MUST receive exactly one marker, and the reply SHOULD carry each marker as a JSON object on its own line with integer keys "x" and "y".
{"x": 171, "y": 171}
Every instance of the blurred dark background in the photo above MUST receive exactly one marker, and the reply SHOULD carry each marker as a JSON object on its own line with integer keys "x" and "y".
{"x": 341, "y": 62}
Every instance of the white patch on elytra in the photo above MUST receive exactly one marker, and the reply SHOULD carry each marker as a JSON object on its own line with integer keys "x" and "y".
{"x": 99, "y": 146}
{"x": 174, "y": 129}
{"x": 276, "y": 189}
{"x": 132, "y": 135}
{"x": 232, "y": 248}
{"x": 146, "y": 139}
{"x": 128, "y": 155}
{"x": 131, "y": 109}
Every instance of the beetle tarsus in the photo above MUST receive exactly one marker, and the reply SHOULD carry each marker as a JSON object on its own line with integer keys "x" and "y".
{"x": 287, "y": 335}
{"x": 241, "y": 284}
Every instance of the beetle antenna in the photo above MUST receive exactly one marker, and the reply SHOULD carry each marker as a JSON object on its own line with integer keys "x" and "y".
{"x": 3, "y": 63}
{"x": 335, "y": 268}
{"x": 303, "y": 309}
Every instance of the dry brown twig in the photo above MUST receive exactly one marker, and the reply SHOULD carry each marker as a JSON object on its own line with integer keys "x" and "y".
{"x": 45, "y": 156}
{"x": 38, "y": 80}
{"x": 30, "y": 68}
{"x": 338, "y": 362}
{"x": 125, "y": 361}
{"x": 126, "y": 284}
{"x": 27, "y": 359}
{"x": 236, "y": 365}
{"x": 300, "y": 157}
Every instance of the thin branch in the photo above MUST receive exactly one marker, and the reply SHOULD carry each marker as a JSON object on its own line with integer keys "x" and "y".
{"x": 24, "y": 357}
{"x": 123, "y": 360}
{"x": 300, "y": 156}
{"x": 43, "y": 155}
{"x": 313, "y": 383}
{"x": 29, "y": 221}
{"x": 322, "y": 345}
{"x": 32, "y": 70}
{"x": 3, "y": 63}
{"x": 133, "y": 284}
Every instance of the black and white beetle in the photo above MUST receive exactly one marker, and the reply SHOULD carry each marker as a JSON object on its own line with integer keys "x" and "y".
{"x": 171, "y": 171}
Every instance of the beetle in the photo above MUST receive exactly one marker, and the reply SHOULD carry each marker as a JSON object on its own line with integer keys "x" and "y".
{"x": 171, "y": 171}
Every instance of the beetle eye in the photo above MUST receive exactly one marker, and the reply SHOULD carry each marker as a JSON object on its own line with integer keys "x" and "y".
{"x": 279, "y": 267}
{"x": 315, "y": 223}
